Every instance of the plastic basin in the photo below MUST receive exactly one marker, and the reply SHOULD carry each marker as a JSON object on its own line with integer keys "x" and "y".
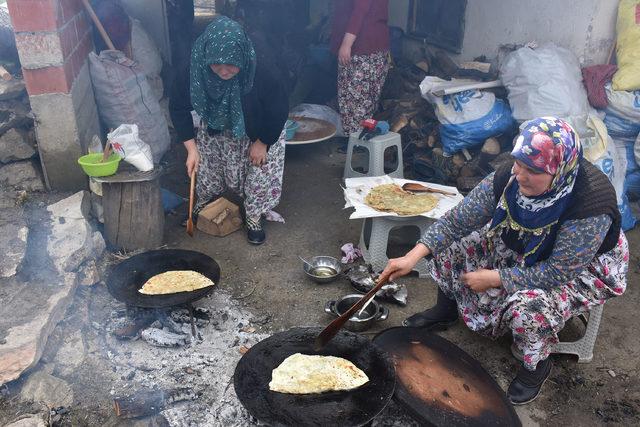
{"x": 92, "y": 164}
{"x": 290, "y": 128}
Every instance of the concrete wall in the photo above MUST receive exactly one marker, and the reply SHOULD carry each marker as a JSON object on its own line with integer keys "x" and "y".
{"x": 53, "y": 39}
{"x": 586, "y": 27}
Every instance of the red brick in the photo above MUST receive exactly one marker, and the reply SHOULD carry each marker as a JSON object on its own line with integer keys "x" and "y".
{"x": 68, "y": 38}
{"x": 70, "y": 8}
{"x": 46, "y": 80}
{"x": 34, "y": 15}
{"x": 74, "y": 63}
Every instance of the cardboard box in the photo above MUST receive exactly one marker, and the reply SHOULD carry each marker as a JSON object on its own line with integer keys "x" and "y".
{"x": 219, "y": 218}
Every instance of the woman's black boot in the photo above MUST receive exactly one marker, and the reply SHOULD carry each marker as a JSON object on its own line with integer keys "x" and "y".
{"x": 526, "y": 386}
{"x": 255, "y": 232}
{"x": 440, "y": 316}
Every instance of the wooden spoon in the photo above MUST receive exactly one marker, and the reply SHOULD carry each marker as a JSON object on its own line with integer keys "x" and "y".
{"x": 107, "y": 152}
{"x": 191, "y": 195}
{"x": 418, "y": 188}
{"x": 334, "y": 327}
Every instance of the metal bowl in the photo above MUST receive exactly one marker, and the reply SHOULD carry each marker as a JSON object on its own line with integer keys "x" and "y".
{"x": 323, "y": 269}
{"x": 369, "y": 316}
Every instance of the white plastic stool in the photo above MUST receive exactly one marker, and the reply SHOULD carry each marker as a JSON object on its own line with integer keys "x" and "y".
{"x": 376, "y": 148}
{"x": 376, "y": 252}
{"x": 583, "y": 348}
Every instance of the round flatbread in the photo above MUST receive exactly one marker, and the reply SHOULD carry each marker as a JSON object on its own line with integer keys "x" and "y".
{"x": 306, "y": 374}
{"x": 171, "y": 282}
{"x": 392, "y": 198}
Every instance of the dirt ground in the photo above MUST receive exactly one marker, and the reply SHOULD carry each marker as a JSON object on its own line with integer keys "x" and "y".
{"x": 269, "y": 281}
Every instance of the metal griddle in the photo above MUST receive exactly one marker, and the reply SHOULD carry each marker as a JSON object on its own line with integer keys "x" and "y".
{"x": 348, "y": 408}
{"x": 126, "y": 278}
{"x": 441, "y": 385}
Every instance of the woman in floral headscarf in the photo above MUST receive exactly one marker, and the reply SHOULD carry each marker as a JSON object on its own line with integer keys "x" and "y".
{"x": 241, "y": 97}
{"x": 534, "y": 244}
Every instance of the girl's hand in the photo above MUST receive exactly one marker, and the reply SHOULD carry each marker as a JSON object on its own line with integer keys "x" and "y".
{"x": 193, "y": 157}
{"x": 482, "y": 280}
{"x": 258, "y": 153}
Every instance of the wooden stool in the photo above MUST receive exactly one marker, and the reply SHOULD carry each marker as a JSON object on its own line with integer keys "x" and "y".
{"x": 132, "y": 203}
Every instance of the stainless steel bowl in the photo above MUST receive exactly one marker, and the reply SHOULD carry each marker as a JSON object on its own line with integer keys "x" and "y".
{"x": 373, "y": 313}
{"x": 323, "y": 269}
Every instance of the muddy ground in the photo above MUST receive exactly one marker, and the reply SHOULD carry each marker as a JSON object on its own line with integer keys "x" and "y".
{"x": 268, "y": 282}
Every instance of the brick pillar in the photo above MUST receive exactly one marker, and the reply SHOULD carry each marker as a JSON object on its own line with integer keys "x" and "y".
{"x": 53, "y": 39}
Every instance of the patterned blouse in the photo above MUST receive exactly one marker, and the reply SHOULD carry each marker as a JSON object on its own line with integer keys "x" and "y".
{"x": 576, "y": 244}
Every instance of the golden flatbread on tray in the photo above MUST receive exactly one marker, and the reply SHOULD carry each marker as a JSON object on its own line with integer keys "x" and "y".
{"x": 171, "y": 282}
{"x": 392, "y": 198}
{"x": 306, "y": 374}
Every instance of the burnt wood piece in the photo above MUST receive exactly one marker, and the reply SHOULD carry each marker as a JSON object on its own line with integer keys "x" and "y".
{"x": 133, "y": 213}
{"x": 150, "y": 402}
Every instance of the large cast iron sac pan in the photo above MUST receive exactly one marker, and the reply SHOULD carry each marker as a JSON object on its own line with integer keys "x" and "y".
{"x": 347, "y": 408}
{"x": 441, "y": 385}
{"x": 124, "y": 279}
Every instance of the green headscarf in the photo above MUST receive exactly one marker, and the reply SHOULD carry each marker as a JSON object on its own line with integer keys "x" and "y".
{"x": 218, "y": 101}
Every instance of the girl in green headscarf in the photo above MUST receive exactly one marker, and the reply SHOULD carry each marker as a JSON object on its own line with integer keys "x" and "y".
{"x": 240, "y": 96}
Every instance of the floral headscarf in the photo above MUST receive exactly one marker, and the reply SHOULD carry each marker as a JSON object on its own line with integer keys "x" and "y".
{"x": 218, "y": 101}
{"x": 548, "y": 145}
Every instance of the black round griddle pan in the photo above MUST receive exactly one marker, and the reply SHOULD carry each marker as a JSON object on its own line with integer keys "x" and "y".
{"x": 124, "y": 279}
{"x": 346, "y": 408}
{"x": 440, "y": 384}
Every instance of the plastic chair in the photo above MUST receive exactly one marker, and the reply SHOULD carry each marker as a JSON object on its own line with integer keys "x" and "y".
{"x": 375, "y": 253}
{"x": 583, "y": 348}
{"x": 375, "y": 148}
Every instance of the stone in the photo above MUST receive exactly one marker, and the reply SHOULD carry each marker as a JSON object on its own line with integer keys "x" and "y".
{"x": 31, "y": 420}
{"x": 13, "y": 240}
{"x": 14, "y": 113}
{"x": 76, "y": 206}
{"x": 72, "y": 241}
{"x": 14, "y": 146}
{"x": 8, "y": 199}
{"x": 26, "y": 323}
{"x": 41, "y": 387}
{"x": 21, "y": 175}
{"x": 11, "y": 89}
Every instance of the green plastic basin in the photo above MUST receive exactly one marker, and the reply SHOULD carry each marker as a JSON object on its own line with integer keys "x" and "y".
{"x": 92, "y": 164}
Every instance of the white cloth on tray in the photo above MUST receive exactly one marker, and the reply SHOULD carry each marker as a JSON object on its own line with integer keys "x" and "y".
{"x": 356, "y": 189}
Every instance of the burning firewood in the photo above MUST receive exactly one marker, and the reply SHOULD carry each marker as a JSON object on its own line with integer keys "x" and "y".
{"x": 151, "y": 402}
{"x": 163, "y": 338}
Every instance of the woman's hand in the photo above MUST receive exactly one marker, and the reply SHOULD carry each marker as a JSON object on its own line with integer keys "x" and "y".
{"x": 193, "y": 157}
{"x": 481, "y": 280}
{"x": 258, "y": 153}
{"x": 398, "y": 267}
{"x": 344, "y": 53}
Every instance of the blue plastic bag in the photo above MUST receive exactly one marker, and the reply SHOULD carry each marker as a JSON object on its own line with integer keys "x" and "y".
{"x": 455, "y": 137}
{"x": 619, "y": 127}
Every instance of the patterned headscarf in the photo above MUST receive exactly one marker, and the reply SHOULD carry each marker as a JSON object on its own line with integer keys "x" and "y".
{"x": 548, "y": 145}
{"x": 218, "y": 101}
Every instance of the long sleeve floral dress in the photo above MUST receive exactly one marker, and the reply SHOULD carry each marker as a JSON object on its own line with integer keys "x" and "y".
{"x": 534, "y": 302}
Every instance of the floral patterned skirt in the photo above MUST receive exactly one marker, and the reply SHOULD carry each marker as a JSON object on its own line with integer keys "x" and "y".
{"x": 534, "y": 316}
{"x": 224, "y": 163}
{"x": 359, "y": 86}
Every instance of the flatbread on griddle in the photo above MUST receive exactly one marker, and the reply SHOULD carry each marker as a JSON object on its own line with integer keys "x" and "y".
{"x": 171, "y": 282}
{"x": 306, "y": 374}
{"x": 392, "y": 198}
